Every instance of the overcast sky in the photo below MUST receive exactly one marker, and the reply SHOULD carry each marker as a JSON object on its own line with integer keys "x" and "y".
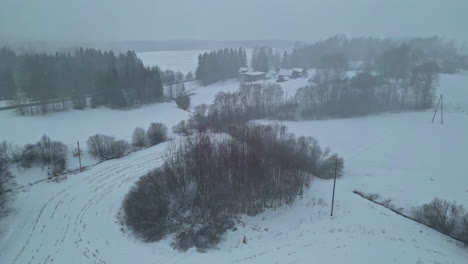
{"x": 69, "y": 20}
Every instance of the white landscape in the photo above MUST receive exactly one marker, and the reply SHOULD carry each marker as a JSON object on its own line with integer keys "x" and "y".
{"x": 402, "y": 156}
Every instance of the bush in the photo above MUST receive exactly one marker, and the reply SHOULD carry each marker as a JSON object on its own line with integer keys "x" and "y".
{"x": 146, "y": 208}
{"x": 5, "y": 180}
{"x": 183, "y": 101}
{"x": 329, "y": 165}
{"x": 47, "y": 153}
{"x": 139, "y": 139}
{"x": 157, "y": 133}
{"x": 28, "y": 156}
{"x": 58, "y": 157}
{"x": 441, "y": 215}
{"x": 105, "y": 147}
{"x": 120, "y": 148}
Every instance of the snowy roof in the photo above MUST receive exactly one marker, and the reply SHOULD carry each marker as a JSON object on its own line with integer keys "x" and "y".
{"x": 297, "y": 69}
{"x": 243, "y": 69}
{"x": 285, "y": 72}
{"x": 256, "y": 73}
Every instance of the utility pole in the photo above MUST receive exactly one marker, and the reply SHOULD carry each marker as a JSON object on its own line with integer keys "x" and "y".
{"x": 334, "y": 185}
{"x": 441, "y": 108}
{"x": 79, "y": 154}
{"x": 437, "y": 108}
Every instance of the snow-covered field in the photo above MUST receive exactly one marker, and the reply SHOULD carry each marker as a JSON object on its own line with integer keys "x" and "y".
{"x": 179, "y": 60}
{"x": 182, "y": 60}
{"x": 402, "y": 156}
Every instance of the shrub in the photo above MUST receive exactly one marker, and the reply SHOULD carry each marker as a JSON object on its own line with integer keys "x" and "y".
{"x": 47, "y": 153}
{"x": 120, "y": 148}
{"x": 146, "y": 207}
{"x": 58, "y": 157}
{"x": 183, "y": 101}
{"x": 5, "y": 180}
{"x": 105, "y": 147}
{"x": 157, "y": 133}
{"x": 329, "y": 165}
{"x": 440, "y": 215}
{"x": 29, "y": 155}
{"x": 139, "y": 139}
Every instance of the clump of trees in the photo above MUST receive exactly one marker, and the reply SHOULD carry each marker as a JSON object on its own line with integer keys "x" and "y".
{"x": 395, "y": 87}
{"x": 105, "y": 147}
{"x": 208, "y": 179}
{"x": 370, "y": 51}
{"x": 249, "y": 102}
{"x": 110, "y": 80}
{"x": 449, "y": 218}
{"x": 47, "y": 153}
{"x": 219, "y": 65}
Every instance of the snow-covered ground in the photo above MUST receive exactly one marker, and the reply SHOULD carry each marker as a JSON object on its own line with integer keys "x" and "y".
{"x": 178, "y": 60}
{"x": 402, "y": 156}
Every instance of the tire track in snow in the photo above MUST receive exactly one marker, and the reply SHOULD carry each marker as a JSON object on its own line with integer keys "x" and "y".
{"x": 100, "y": 183}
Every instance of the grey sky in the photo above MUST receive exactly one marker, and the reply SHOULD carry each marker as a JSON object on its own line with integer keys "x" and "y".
{"x": 69, "y": 20}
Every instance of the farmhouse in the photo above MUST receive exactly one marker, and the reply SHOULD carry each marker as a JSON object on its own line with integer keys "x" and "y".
{"x": 298, "y": 73}
{"x": 252, "y": 76}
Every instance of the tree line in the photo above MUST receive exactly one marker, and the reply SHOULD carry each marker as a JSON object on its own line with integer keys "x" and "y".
{"x": 112, "y": 80}
{"x": 219, "y": 65}
{"x": 398, "y": 83}
{"x": 367, "y": 50}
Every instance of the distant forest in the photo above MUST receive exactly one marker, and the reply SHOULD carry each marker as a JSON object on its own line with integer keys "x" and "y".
{"x": 446, "y": 54}
{"x": 110, "y": 80}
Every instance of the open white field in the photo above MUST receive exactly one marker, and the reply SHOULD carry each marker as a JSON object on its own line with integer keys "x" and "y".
{"x": 184, "y": 61}
{"x": 398, "y": 155}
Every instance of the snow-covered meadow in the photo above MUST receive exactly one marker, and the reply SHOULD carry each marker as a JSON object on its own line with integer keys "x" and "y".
{"x": 402, "y": 156}
{"x": 184, "y": 61}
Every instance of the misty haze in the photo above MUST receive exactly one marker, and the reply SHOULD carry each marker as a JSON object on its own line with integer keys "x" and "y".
{"x": 246, "y": 131}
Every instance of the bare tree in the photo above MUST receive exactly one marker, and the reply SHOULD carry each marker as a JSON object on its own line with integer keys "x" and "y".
{"x": 441, "y": 215}
{"x": 139, "y": 138}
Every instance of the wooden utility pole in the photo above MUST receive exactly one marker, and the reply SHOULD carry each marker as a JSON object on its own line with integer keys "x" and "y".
{"x": 334, "y": 185}
{"x": 79, "y": 154}
{"x": 442, "y": 109}
{"x": 437, "y": 108}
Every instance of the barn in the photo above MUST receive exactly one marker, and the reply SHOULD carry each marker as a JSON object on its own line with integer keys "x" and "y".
{"x": 247, "y": 77}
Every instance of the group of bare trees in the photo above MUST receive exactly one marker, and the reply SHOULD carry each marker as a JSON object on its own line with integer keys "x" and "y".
{"x": 105, "y": 147}
{"x": 252, "y": 101}
{"x": 46, "y": 153}
{"x": 449, "y": 218}
{"x": 208, "y": 179}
